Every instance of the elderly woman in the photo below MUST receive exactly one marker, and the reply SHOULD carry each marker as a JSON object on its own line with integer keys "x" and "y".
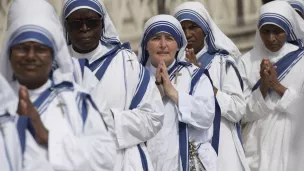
{"x": 271, "y": 83}
{"x": 187, "y": 95}
{"x": 213, "y": 50}
{"x": 62, "y": 118}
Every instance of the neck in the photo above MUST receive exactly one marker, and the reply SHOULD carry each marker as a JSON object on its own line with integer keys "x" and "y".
{"x": 32, "y": 84}
{"x": 84, "y": 50}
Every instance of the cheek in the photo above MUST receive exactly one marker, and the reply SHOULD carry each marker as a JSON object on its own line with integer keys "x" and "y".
{"x": 282, "y": 38}
{"x": 151, "y": 48}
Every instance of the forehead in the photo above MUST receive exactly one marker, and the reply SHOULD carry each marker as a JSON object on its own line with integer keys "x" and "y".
{"x": 186, "y": 23}
{"x": 83, "y": 14}
{"x": 162, "y": 34}
{"x": 271, "y": 27}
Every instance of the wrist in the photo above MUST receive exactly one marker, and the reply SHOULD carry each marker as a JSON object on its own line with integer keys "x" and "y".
{"x": 172, "y": 93}
{"x": 279, "y": 88}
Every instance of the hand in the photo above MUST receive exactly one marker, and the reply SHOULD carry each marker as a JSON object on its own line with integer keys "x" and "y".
{"x": 158, "y": 81}
{"x": 191, "y": 57}
{"x": 167, "y": 87}
{"x": 264, "y": 73}
{"x": 26, "y": 108}
{"x": 274, "y": 83}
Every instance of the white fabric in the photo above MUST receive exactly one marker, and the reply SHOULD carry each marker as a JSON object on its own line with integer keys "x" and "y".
{"x": 117, "y": 88}
{"x": 73, "y": 145}
{"x": 266, "y": 135}
{"x": 230, "y": 97}
{"x": 9, "y": 101}
{"x": 10, "y": 148}
{"x": 296, "y": 2}
{"x": 220, "y": 41}
{"x": 10, "y": 151}
{"x": 129, "y": 127}
{"x": 196, "y": 110}
{"x": 296, "y": 150}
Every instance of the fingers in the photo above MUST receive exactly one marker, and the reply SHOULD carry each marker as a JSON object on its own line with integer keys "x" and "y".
{"x": 22, "y": 107}
{"x": 23, "y": 93}
{"x": 158, "y": 76}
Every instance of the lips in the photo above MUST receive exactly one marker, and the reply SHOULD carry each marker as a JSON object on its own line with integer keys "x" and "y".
{"x": 163, "y": 53}
{"x": 29, "y": 66}
{"x": 86, "y": 38}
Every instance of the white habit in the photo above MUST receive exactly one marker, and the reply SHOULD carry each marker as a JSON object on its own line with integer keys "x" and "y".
{"x": 117, "y": 87}
{"x": 196, "y": 110}
{"x": 218, "y": 56}
{"x": 78, "y": 138}
{"x": 12, "y": 158}
{"x": 267, "y": 132}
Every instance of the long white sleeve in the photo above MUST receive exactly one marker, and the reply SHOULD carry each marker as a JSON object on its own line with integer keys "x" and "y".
{"x": 32, "y": 158}
{"x": 136, "y": 126}
{"x": 198, "y": 110}
{"x": 256, "y": 106}
{"x": 231, "y": 98}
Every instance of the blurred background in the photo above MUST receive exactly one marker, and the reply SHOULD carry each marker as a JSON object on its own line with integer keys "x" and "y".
{"x": 236, "y": 18}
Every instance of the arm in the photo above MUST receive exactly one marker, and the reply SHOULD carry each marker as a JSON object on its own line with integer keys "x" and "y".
{"x": 231, "y": 98}
{"x": 256, "y": 107}
{"x": 136, "y": 126}
{"x": 197, "y": 110}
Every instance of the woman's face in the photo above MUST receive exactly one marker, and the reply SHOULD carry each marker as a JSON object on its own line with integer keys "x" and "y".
{"x": 31, "y": 62}
{"x": 162, "y": 46}
{"x": 273, "y": 37}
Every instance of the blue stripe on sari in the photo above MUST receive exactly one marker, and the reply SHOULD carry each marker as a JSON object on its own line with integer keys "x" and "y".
{"x": 106, "y": 59}
{"x": 284, "y": 65}
{"x": 141, "y": 90}
{"x": 24, "y": 122}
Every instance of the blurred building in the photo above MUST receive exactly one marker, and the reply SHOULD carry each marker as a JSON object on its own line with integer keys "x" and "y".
{"x": 237, "y": 18}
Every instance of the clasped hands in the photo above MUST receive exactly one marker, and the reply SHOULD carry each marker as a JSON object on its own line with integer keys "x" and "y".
{"x": 26, "y": 108}
{"x": 164, "y": 84}
{"x": 269, "y": 78}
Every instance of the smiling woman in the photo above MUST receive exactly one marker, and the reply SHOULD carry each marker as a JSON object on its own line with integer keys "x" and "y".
{"x": 31, "y": 63}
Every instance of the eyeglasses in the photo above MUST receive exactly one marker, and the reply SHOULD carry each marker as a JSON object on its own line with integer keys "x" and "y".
{"x": 21, "y": 49}
{"x": 90, "y": 23}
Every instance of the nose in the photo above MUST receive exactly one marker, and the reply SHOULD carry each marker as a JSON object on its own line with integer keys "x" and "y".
{"x": 272, "y": 37}
{"x": 84, "y": 27}
{"x": 31, "y": 53}
{"x": 163, "y": 42}
{"x": 187, "y": 33}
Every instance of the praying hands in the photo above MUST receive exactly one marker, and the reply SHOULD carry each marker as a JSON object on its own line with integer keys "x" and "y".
{"x": 26, "y": 108}
{"x": 191, "y": 57}
{"x": 164, "y": 84}
{"x": 269, "y": 79}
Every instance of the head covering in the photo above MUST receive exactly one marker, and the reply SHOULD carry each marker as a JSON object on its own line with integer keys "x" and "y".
{"x": 162, "y": 24}
{"x": 298, "y": 5}
{"x": 281, "y": 14}
{"x": 9, "y": 101}
{"x": 216, "y": 41}
{"x": 36, "y": 20}
{"x": 109, "y": 35}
